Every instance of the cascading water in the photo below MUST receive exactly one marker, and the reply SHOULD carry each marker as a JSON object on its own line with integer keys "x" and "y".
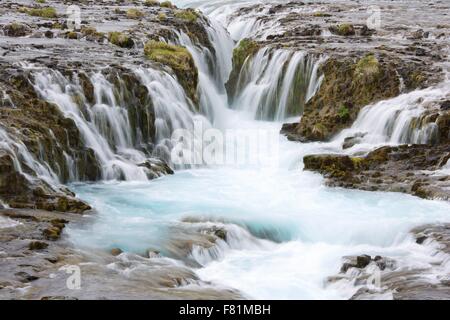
{"x": 21, "y": 156}
{"x": 276, "y": 83}
{"x": 104, "y": 126}
{"x": 397, "y": 120}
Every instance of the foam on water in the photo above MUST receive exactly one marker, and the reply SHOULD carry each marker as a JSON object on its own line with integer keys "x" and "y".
{"x": 314, "y": 226}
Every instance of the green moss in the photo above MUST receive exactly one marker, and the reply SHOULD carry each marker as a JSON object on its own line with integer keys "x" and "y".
{"x": 179, "y": 59}
{"x": 120, "y": 39}
{"x": 245, "y": 49}
{"x": 321, "y": 14}
{"x": 367, "y": 66}
{"x": 174, "y": 56}
{"x": 47, "y": 12}
{"x": 92, "y": 32}
{"x": 162, "y": 16}
{"x": 40, "y": 1}
{"x": 343, "y": 113}
{"x": 151, "y": 3}
{"x": 187, "y": 15}
{"x": 344, "y": 29}
{"x": 134, "y": 13}
{"x": 166, "y": 4}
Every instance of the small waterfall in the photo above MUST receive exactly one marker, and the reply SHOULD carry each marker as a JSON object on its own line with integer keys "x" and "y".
{"x": 400, "y": 120}
{"x": 213, "y": 71}
{"x": 22, "y": 157}
{"x": 277, "y": 83}
{"x": 173, "y": 111}
{"x": 104, "y": 126}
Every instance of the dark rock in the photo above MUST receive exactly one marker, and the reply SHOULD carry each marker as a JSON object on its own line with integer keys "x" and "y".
{"x": 37, "y": 245}
{"x": 116, "y": 251}
{"x": 25, "y": 277}
{"x": 363, "y": 261}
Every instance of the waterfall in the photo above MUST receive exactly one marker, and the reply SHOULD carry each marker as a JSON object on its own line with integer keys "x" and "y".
{"x": 400, "y": 120}
{"x": 173, "y": 111}
{"x": 213, "y": 70}
{"x": 104, "y": 126}
{"x": 22, "y": 157}
{"x": 276, "y": 83}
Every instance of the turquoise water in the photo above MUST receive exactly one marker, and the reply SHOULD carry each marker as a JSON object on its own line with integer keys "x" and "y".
{"x": 308, "y": 227}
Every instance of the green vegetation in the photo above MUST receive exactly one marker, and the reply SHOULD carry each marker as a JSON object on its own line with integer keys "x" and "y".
{"x": 166, "y": 4}
{"x": 343, "y": 113}
{"x": 47, "y": 12}
{"x": 151, "y": 3}
{"x": 175, "y": 56}
{"x": 120, "y": 39}
{"x": 245, "y": 49}
{"x": 134, "y": 13}
{"x": 72, "y": 35}
{"x": 321, "y": 14}
{"x": 187, "y": 15}
{"x": 344, "y": 29}
{"x": 368, "y": 66}
{"x": 162, "y": 16}
{"x": 179, "y": 59}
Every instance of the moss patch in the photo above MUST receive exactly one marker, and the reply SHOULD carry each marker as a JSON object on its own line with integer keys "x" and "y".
{"x": 47, "y": 12}
{"x": 120, "y": 39}
{"x": 188, "y": 15}
{"x": 179, "y": 59}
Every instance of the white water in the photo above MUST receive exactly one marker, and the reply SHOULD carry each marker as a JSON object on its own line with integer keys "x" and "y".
{"x": 276, "y": 83}
{"x": 284, "y": 203}
{"x": 392, "y": 121}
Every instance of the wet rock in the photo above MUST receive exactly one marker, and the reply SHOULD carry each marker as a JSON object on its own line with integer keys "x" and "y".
{"x": 396, "y": 169}
{"x": 116, "y": 251}
{"x": 243, "y": 53}
{"x": 345, "y": 30}
{"x": 156, "y": 168}
{"x": 353, "y": 140}
{"x": 37, "y": 245}
{"x": 17, "y": 30}
{"x": 25, "y": 277}
{"x": 363, "y": 261}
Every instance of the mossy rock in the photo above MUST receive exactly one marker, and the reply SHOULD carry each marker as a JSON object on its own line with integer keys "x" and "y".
{"x": 349, "y": 84}
{"x": 188, "y": 15}
{"x": 246, "y": 49}
{"x": 166, "y": 4}
{"x": 16, "y": 30}
{"x": 344, "y": 30}
{"x": 120, "y": 39}
{"x": 134, "y": 13}
{"x": 47, "y": 12}
{"x": 179, "y": 59}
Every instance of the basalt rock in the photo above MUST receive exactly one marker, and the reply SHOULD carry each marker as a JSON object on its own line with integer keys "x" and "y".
{"x": 406, "y": 168}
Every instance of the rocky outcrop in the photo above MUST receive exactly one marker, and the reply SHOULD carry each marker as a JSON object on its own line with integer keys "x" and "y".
{"x": 350, "y": 84}
{"x": 398, "y": 169}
